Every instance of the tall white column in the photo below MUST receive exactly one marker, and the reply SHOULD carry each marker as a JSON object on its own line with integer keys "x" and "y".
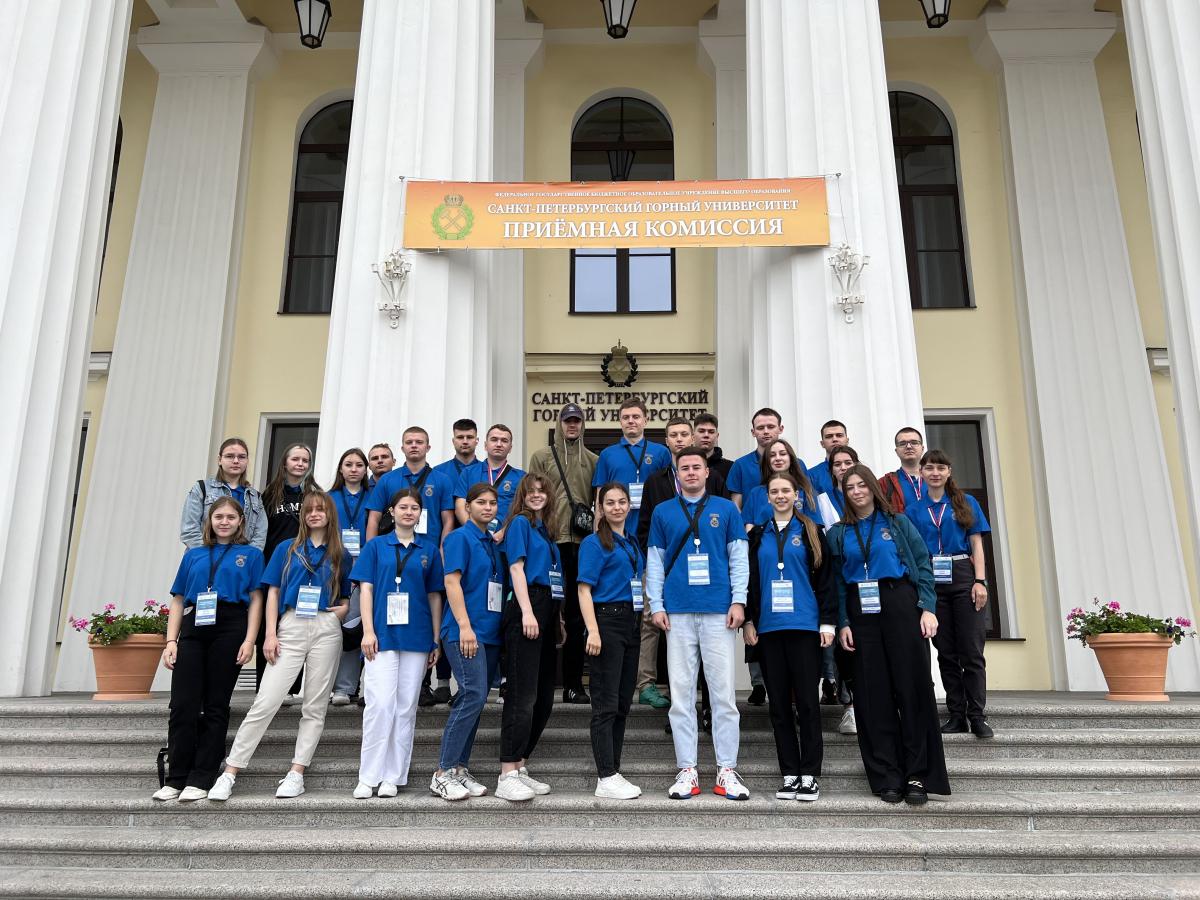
{"x": 422, "y": 109}
{"x": 1162, "y": 38}
{"x": 166, "y": 390}
{"x": 817, "y": 105}
{"x": 1106, "y": 519}
{"x": 61, "y": 66}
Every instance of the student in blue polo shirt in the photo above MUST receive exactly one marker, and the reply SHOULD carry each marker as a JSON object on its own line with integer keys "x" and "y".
{"x": 380, "y": 460}
{"x": 778, "y": 456}
{"x": 886, "y": 616}
{"x": 831, "y": 504}
{"x": 952, "y": 526}
{"x": 399, "y": 575}
{"x": 611, "y": 601}
{"x": 493, "y": 470}
{"x": 905, "y": 486}
{"x": 471, "y": 637}
{"x": 308, "y": 594}
{"x": 350, "y": 492}
{"x": 766, "y": 426}
{"x": 833, "y": 435}
{"x": 790, "y": 616}
{"x": 696, "y": 579}
{"x": 464, "y": 437}
{"x": 631, "y": 460}
{"x": 216, "y": 606}
{"x": 437, "y": 494}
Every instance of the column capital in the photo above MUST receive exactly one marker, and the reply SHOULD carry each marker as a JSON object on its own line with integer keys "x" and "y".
{"x": 1042, "y": 31}
{"x": 224, "y": 48}
{"x": 723, "y": 53}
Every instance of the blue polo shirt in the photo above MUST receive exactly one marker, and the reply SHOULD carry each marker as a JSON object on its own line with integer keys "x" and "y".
{"x": 804, "y": 614}
{"x": 912, "y": 488}
{"x": 437, "y": 495}
{"x": 940, "y": 530}
{"x": 352, "y": 509}
{"x": 876, "y": 537}
{"x": 451, "y": 469}
{"x": 308, "y": 566}
{"x": 757, "y": 508}
{"x": 236, "y": 570}
{"x": 747, "y": 472}
{"x": 531, "y": 543}
{"x": 420, "y": 577}
{"x": 504, "y": 480}
{"x": 822, "y": 481}
{"x": 630, "y": 463}
{"x": 473, "y": 553}
{"x": 609, "y": 571}
{"x": 718, "y": 526}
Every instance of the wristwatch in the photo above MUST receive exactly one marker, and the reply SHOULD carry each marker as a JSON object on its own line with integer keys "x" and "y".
{"x": 981, "y": 581}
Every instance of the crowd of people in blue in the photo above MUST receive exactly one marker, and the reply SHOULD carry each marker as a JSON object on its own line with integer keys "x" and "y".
{"x": 479, "y": 571}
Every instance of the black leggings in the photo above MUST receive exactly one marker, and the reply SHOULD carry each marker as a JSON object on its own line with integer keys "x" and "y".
{"x": 529, "y": 668}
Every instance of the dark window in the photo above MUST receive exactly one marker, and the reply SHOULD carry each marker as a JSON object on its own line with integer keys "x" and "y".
{"x": 596, "y": 439}
{"x": 284, "y": 434}
{"x": 317, "y": 210}
{"x": 929, "y": 204}
{"x": 622, "y": 139}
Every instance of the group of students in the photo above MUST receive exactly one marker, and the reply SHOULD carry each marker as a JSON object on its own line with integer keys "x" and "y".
{"x": 477, "y": 565}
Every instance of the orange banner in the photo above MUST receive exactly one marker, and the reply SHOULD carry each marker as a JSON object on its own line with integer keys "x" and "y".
{"x": 767, "y": 212}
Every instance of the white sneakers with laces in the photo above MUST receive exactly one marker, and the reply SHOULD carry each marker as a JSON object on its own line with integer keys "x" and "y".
{"x": 387, "y": 789}
{"x": 291, "y": 785}
{"x": 448, "y": 787}
{"x": 509, "y": 786}
{"x": 848, "y": 725}
{"x": 615, "y": 787}
{"x": 474, "y": 788}
{"x": 363, "y": 791}
{"x": 222, "y": 789}
{"x": 538, "y": 787}
{"x": 687, "y": 784}
{"x": 188, "y": 794}
{"x": 166, "y": 792}
{"x": 729, "y": 785}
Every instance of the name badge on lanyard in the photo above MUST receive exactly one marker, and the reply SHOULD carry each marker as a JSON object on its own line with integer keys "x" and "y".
{"x": 697, "y": 564}
{"x": 868, "y": 597}
{"x": 493, "y": 597}
{"x": 423, "y": 522}
{"x": 635, "y": 589}
{"x": 397, "y": 608}
{"x": 206, "y": 608}
{"x": 308, "y": 601}
{"x": 635, "y": 494}
{"x": 781, "y": 597}
{"x": 556, "y": 583}
{"x": 351, "y": 540}
{"x": 943, "y": 569}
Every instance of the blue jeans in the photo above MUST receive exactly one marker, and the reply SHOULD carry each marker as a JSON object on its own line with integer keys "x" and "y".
{"x": 696, "y": 638}
{"x": 473, "y": 676}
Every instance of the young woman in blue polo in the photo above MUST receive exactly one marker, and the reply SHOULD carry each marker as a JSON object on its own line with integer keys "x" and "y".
{"x": 778, "y": 456}
{"x": 350, "y": 494}
{"x": 952, "y": 526}
{"x": 471, "y": 635}
{"x": 831, "y": 505}
{"x": 216, "y": 607}
{"x": 886, "y": 608}
{"x": 399, "y": 575}
{"x": 791, "y": 609}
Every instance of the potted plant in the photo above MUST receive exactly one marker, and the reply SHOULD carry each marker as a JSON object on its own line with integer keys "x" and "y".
{"x": 1131, "y": 648}
{"x": 125, "y": 649}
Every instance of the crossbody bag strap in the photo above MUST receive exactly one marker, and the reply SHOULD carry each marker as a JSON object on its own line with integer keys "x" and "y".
{"x": 562, "y": 474}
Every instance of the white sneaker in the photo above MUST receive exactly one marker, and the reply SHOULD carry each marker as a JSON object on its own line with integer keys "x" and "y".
{"x": 290, "y": 699}
{"x": 729, "y": 785}
{"x": 538, "y": 787}
{"x": 687, "y": 784}
{"x": 363, "y": 791}
{"x": 448, "y": 787}
{"x": 614, "y": 787}
{"x": 188, "y": 794}
{"x": 166, "y": 792}
{"x": 387, "y": 789}
{"x": 340, "y": 699}
{"x": 848, "y": 725}
{"x": 291, "y": 785}
{"x": 473, "y": 787}
{"x": 223, "y": 787}
{"x": 511, "y": 787}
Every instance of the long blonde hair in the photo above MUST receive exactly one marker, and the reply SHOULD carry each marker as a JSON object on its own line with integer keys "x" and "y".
{"x": 335, "y": 553}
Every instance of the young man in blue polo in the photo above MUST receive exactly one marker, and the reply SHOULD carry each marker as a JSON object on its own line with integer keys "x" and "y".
{"x": 493, "y": 469}
{"x": 632, "y": 460}
{"x": 746, "y": 474}
{"x": 697, "y": 573}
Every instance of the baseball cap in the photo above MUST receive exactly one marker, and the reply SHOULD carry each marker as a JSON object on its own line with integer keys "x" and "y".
{"x": 571, "y": 411}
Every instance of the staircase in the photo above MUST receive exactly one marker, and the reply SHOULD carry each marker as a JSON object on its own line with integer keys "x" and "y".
{"x": 1074, "y": 797}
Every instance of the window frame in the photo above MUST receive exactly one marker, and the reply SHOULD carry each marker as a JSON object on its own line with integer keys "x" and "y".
{"x": 266, "y": 433}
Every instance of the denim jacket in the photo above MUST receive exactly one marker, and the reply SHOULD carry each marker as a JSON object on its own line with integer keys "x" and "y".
{"x": 913, "y": 553}
{"x": 195, "y": 508}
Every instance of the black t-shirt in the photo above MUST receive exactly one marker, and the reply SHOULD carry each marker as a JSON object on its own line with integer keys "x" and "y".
{"x": 283, "y": 519}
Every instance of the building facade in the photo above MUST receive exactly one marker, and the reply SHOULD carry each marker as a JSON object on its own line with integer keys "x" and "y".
{"x": 194, "y": 204}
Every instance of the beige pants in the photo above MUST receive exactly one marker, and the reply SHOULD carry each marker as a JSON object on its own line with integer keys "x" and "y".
{"x": 312, "y": 644}
{"x": 648, "y": 654}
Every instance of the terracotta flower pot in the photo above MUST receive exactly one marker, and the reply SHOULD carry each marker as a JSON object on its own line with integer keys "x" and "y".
{"x": 1134, "y": 665}
{"x": 125, "y": 669}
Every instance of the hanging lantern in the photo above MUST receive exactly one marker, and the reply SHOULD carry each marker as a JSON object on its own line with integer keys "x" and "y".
{"x": 313, "y": 16}
{"x": 937, "y": 12}
{"x": 617, "y": 14}
{"x": 620, "y": 164}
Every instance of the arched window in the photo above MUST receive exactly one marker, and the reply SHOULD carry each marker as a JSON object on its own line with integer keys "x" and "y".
{"x": 929, "y": 205}
{"x": 622, "y": 139}
{"x": 317, "y": 210}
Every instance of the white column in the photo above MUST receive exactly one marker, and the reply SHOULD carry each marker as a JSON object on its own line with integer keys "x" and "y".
{"x": 1106, "y": 519}
{"x": 61, "y": 66}
{"x": 1162, "y": 38}
{"x": 422, "y": 109}
{"x": 164, "y": 404}
{"x": 818, "y": 104}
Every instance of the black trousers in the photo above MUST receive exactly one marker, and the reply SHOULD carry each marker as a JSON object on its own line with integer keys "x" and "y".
{"x": 613, "y": 679}
{"x": 529, "y": 698}
{"x": 573, "y": 655}
{"x": 959, "y": 642}
{"x": 206, "y": 671}
{"x": 899, "y": 735}
{"x": 791, "y": 667}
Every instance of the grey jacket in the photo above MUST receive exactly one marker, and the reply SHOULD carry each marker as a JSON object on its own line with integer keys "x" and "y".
{"x": 195, "y": 509}
{"x": 579, "y": 463}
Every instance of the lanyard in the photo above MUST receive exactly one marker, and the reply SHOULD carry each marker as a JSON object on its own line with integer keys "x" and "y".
{"x": 409, "y": 475}
{"x": 401, "y": 563}
{"x": 486, "y": 538}
{"x": 636, "y": 460}
{"x": 866, "y": 551}
{"x": 313, "y": 567}
{"x": 499, "y": 473}
{"x": 693, "y": 521}
{"x": 937, "y": 522}
{"x": 915, "y": 481}
{"x": 214, "y": 565}
{"x": 781, "y": 541}
{"x": 362, "y": 496}
{"x": 631, "y": 551}
{"x": 540, "y": 527}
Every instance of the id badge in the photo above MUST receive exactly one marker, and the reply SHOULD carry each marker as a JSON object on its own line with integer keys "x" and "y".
{"x": 698, "y": 569}
{"x": 494, "y": 597}
{"x": 868, "y": 597}
{"x": 556, "y": 584}
{"x": 397, "y": 609}
{"x": 781, "y": 597}
{"x": 308, "y": 601}
{"x": 423, "y": 522}
{"x": 943, "y": 569}
{"x": 635, "y": 588}
{"x": 635, "y": 494}
{"x": 351, "y": 541}
{"x": 206, "y": 608}
{"x": 494, "y": 525}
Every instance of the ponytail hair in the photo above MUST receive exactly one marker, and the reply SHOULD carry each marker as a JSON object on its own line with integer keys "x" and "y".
{"x": 810, "y": 527}
{"x": 963, "y": 513}
{"x": 603, "y": 529}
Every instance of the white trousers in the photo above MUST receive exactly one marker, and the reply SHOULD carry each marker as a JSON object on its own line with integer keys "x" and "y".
{"x": 391, "y": 686}
{"x": 696, "y": 637}
{"x": 314, "y": 644}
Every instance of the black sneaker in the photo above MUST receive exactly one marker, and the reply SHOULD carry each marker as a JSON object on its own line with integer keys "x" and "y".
{"x": 575, "y": 695}
{"x": 787, "y": 790}
{"x": 426, "y": 698}
{"x": 954, "y": 725}
{"x": 891, "y": 795}
{"x": 758, "y": 695}
{"x": 981, "y": 729}
{"x": 829, "y": 694}
{"x": 452, "y": 701}
{"x": 706, "y": 721}
{"x": 914, "y": 793}
{"x": 441, "y": 694}
{"x": 809, "y": 789}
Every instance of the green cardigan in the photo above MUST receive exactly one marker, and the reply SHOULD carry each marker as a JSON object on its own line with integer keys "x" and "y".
{"x": 913, "y": 553}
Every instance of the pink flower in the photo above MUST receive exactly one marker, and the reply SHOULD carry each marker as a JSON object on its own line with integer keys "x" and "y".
{"x": 150, "y": 604}
{"x": 1114, "y": 605}
{"x": 1186, "y": 623}
{"x": 108, "y": 607}
{"x": 109, "y": 619}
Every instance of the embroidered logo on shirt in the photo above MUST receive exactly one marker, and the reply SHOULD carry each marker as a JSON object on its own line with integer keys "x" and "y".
{"x": 795, "y": 540}
{"x": 240, "y": 561}
{"x": 424, "y": 561}
{"x": 649, "y": 460}
{"x": 715, "y": 520}
{"x": 429, "y": 491}
{"x": 507, "y": 486}
{"x": 885, "y": 534}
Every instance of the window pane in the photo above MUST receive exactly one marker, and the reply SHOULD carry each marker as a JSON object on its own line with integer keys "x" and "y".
{"x": 321, "y": 172}
{"x": 935, "y": 218}
{"x": 595, "y": 281}
{"x": 931, "y": 164}
{"x": 918, "y": 117}
{"x": 310, "y": 289}
{"x": 941, "y": 279}
{"x": 315, "y": 229}
{"x": 961, "y": 442}
{"x": 653, "y": 165}
{"x": 284, "y": 435}
{"x": 590, "y": 165}
{"x": 649, "y": 281}
{"x": 329, "y": 126}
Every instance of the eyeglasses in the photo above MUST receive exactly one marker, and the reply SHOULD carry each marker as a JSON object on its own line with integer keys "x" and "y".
{"x": 903, "y": 444}
{"x": 235, "y": 457}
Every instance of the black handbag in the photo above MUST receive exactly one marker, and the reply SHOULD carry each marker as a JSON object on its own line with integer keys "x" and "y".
{"x": 163, "y": 759}
{"x": 583, "y": 519}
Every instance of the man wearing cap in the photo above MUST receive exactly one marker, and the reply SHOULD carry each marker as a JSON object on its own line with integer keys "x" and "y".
{"x": 566, "y": 458}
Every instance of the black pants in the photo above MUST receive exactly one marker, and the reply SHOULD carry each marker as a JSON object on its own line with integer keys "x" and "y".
{"x": 899, "y": 735}
{"x": 529, "y": 698}
{"x": 206, "y": 671}
{"x": 791, "y": 667}
{"x": 959, "y": 643}
{"x": 572, "y": 652}
{"x": 613, "y": 679}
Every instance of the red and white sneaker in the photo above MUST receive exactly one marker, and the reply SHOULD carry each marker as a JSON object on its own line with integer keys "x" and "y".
{"x": 729, "y": 785}
{"x": 687, "y": 784}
